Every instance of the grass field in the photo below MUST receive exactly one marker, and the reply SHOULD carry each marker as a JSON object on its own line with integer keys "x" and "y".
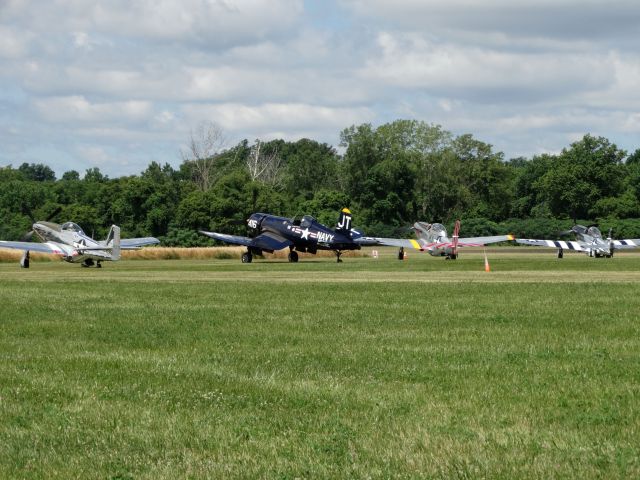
{"x": 365, "y": 369}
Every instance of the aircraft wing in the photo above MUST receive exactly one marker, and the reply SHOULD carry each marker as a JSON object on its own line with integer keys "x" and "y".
{"x": 135, "y": 243}
{"x": 232, "y": 239}
{"x": 480, "y": 241}
{"x": 48, "y": 247}
{"x": 631, "y": 243}
{"x": 270, "y": 241}
{"x": 390, "y": 242}
{"x": 571, "y": 245}
{"x": 267, "y": 241}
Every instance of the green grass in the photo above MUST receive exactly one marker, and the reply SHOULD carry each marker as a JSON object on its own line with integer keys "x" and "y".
{"x": 369, "y": 368}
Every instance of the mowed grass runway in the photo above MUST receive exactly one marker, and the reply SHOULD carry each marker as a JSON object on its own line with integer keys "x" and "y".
{"x": 365, "y": 369}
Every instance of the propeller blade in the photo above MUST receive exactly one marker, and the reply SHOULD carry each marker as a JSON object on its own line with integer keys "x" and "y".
{"x": 28, "y": 236}
{"x": 237, "y": 222}
{"x": 563, "y": 233}
{"x": 56, "y": 211}
{"x": 456, "y": 232}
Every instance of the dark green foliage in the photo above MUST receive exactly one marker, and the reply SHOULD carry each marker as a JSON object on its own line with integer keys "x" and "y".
{"x": 389, "y": 176}
{"x": 37, "y": 172}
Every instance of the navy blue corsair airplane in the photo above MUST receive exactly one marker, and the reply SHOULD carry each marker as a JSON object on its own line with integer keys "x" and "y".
{"x": 268, "y": 233}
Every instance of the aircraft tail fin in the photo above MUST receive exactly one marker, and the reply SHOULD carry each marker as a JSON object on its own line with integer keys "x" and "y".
{"x": 344, "y": 222}
{"x": 113, "y": 240}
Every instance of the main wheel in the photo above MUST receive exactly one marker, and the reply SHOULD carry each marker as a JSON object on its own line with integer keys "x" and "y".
{"x": 401, "y": 253}
{"x": 293, "y": 256}
{"x": 246, "y": 257}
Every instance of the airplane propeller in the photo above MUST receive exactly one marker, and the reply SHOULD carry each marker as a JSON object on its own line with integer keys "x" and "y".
{"x": 29, "y": 235}
{"x": 237, "y": 222}
{"x": 456, "y": 232}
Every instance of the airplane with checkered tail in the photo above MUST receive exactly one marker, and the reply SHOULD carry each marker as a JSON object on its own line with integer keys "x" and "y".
{"x": 588, "y": 240}
{"x": 432, "y": 238}
{"x": 268, "y": 233}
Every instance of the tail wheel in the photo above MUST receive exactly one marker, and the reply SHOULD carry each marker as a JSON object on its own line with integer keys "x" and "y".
{"x": 293, "y": 256}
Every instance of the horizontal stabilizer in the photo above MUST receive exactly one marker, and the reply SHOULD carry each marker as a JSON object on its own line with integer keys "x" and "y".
{"x": 135, "y": 243}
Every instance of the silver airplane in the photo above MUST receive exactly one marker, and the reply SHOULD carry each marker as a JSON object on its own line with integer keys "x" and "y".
{"x": 588, "y": 240}
{"x": 74, "y": 246}
{"x": 432, "y": 238}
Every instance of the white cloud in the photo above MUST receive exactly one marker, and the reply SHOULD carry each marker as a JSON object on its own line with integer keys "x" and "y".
{"x": 78, "y": 110}
{"x": 413, "y": 61}
{"x": 14, "y": 44}
{"x": 131, "y": 78}
{"x": 566, "y": 19}
{"x": 295, "y": 119}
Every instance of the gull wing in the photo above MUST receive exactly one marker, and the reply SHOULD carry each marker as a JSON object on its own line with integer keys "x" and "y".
{"x": 270, "y": 242}
{"x": 572, "y": 245}
{"x": 135, "y": 243}
{"x": 232, "y": 239}
{"x": 267, "y": 241}
{"x": 48, "y": 247}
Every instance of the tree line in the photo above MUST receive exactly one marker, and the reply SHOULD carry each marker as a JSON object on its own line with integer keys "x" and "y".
{"x": 389, "y": 176}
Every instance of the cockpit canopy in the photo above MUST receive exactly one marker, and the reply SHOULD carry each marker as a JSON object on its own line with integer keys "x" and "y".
{"x": 437, "y": 227}
{"x": 71, "y": 227}
{"x": 307, "y": 221}
{"x": 594, "y": 232}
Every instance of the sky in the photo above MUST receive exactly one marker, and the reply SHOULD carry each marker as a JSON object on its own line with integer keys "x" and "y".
{"x": 118, "y": 84}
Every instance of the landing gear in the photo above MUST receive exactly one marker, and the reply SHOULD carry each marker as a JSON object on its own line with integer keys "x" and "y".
{"x": 87, "y": 263}
{"x": 560, "y": 253}
{"x": 98, "y": 264}
{"x": 338, "y": 253}
{"x": 293, "y": 256}
{"x": 451, "y": 256}
{"x": 247, "y": 257}
{"x": 401, "y": 253}
{"x": 24, "y": 261}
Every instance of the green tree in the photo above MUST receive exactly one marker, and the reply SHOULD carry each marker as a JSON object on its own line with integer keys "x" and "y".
{"x": 37, "y": 172}
{"x": 590, "y": 170}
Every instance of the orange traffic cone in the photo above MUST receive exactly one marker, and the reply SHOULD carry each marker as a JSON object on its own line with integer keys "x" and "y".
{"x": 487, "y": 268}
